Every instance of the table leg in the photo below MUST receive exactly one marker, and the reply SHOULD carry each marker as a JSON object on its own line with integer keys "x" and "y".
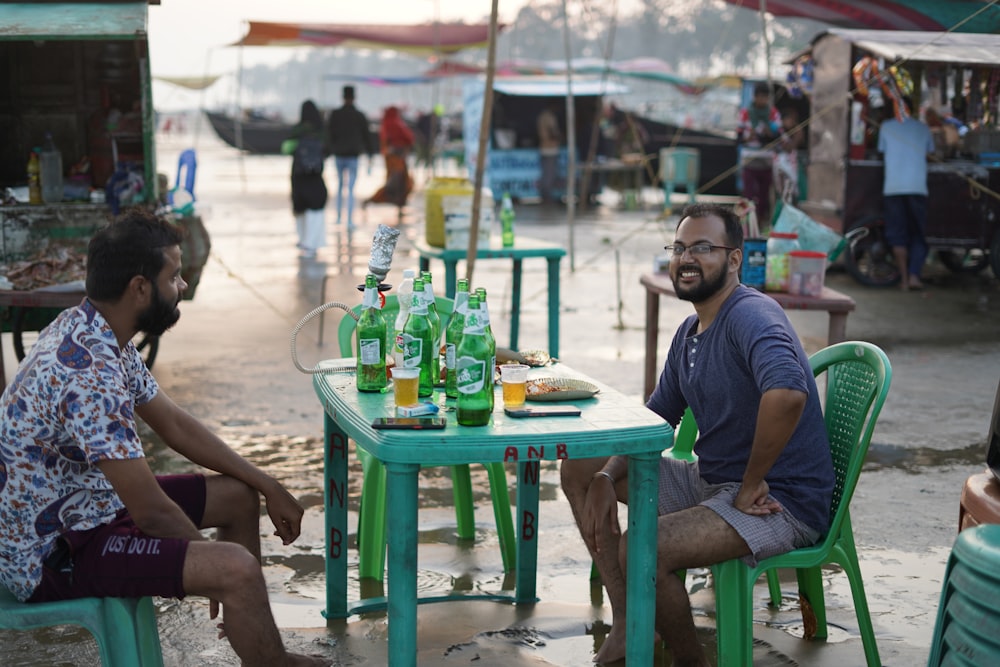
{"x": 640, "y": 601}
{"x": 450, "y": 277}
{"x": 652, "y": 334}
{"x": 515, "y": 303}
{"x": 401, "y": 486}
{"x": 335, "y": 451}
{"x": 837, "y": 332}
{"x": 527, "y": 531}
{"x": 553, "y": 306}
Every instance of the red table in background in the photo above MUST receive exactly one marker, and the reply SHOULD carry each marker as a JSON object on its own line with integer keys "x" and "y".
{"x": 833, "y": 302}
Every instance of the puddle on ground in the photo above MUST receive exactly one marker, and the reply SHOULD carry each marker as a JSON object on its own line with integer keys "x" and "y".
{"x": 894, "y": 579}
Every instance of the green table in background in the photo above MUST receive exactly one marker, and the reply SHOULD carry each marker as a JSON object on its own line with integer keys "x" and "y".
{"x": 610, "y": 424}
{"x": 523, "y": 249}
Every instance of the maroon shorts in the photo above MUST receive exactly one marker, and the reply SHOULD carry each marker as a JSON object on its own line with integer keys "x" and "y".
{"x": 119, "y": 560}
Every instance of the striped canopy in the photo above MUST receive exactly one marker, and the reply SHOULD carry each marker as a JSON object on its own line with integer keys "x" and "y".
{"x": 421, "y": 39}
{"x": 982, "y": 16}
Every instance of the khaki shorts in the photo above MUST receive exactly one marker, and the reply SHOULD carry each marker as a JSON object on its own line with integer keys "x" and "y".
{"x": 681, "y": 487}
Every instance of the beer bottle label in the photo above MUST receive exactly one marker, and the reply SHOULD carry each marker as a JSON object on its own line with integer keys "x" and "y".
{"x": 413, "y": 349}
{"x": 371, "y": 350}
{"x": 470, "y": 375}
{"x": 449, "y": 355}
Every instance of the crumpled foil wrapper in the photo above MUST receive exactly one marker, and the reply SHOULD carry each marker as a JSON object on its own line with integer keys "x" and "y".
{"x": 383, "y": 245}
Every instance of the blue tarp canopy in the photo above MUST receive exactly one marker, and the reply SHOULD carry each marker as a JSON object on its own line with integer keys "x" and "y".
{"x": 72, "y": 20}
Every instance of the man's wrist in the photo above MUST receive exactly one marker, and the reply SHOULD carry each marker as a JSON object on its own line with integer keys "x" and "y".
{"x": 604, "y": 473}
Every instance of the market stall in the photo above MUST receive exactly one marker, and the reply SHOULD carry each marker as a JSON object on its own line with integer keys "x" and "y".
{"x": 514, "y": 163}
{"x": 852, "y": 79}
{"x": 76, "y": 84}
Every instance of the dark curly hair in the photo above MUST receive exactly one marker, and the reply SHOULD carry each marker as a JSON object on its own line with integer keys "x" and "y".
{"x": 131, "y": 245}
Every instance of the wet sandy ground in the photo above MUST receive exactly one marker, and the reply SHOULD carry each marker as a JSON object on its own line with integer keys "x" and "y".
{"x": 228, "y": 362}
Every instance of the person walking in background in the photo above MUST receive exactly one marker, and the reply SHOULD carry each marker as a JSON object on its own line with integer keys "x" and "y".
{"x": 309, "y": 193}
{"x": 550, "y": 140}
{"x": 906, "y": 145}
{"x": 396, "y": 141}
{"x": 81, "y": 512}
{"x": 347, "y": 138}
{"x": 757, "y": 127}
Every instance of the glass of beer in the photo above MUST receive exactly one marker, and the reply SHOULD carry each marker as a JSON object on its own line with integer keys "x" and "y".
{"x": 514, "y": 377}
{"x": 405, "y": 385}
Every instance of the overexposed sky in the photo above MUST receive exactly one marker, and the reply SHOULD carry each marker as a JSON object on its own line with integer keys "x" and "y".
{"x": 187, "y": 37}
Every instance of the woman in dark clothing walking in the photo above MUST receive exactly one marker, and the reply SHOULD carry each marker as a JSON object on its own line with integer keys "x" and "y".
{"x": 306, "y": 145}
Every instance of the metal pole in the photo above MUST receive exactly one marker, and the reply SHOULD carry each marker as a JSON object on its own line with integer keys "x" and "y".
{"x": 484, "y": 134}
{"x": 570, "y": 141}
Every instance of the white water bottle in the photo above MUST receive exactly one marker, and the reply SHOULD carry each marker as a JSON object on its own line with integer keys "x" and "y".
{"x": 404, "y": 295}
{"x": 51, "y": 171}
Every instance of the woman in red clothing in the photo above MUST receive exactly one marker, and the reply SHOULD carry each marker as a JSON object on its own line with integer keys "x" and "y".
{"x": 396, "y": 140}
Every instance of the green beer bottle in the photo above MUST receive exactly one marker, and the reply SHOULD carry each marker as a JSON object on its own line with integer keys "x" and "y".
{"x": 474, "y": 376}
{"x": 371, "y": 340}
{"x": 488, "y": 331}
{"x": 417, "y": 339}
{"x": 453, "y": 336}
{"x": 435, "y": 320}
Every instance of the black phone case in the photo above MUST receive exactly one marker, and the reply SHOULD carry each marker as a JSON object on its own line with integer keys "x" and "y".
{"x": 435, "y": 423}
{"x": 564, "y": 411}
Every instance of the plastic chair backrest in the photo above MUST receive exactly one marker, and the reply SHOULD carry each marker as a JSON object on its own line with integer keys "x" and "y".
{"x": 345, "y": 331}
{"x": 684, "y": 438}
{"x": 858, "y": 375}
{"x": 187, "y": 164}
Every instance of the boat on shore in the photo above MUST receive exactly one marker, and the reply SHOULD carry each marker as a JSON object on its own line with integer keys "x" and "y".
{"x": 262, "y": 136}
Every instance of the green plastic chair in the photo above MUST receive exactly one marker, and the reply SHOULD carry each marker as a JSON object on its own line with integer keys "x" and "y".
{"x": 967, "y": 630}
{"x": 858, "y": 375}
{"x": 371, "y": 516}
{"x": 125, "y": 628}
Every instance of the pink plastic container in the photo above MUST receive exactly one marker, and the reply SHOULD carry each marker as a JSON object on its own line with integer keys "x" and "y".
{"x": 806, "y": 272}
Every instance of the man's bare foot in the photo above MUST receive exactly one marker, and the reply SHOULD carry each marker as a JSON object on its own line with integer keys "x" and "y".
{"x": 613, "y": 647}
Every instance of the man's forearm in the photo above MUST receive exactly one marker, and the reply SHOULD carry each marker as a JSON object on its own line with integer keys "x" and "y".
{"x": 777, "y": 418}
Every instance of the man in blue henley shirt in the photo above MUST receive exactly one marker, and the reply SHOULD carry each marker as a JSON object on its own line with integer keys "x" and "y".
{"x": 764, "y": 477}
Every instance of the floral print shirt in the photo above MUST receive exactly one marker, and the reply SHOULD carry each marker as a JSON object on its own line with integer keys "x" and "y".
{"x": 70, "y": 406}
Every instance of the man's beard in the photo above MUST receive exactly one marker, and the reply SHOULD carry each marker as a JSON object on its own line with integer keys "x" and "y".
{"x": 159, "y": 316}
{"x": 708, "y": 287}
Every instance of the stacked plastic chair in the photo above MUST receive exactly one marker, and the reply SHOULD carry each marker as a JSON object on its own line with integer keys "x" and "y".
{"x": 967, "y": 631}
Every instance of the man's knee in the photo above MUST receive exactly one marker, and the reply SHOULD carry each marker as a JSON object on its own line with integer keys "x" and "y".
{"x": 233, "y": 497}
{"x": 211, "y": 568}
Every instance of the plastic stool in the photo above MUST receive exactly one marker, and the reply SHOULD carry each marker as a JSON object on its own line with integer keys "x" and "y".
{"x": 125, "y": 628}
{"x": 680, "y": 166}
{"x": 967, "y": 630}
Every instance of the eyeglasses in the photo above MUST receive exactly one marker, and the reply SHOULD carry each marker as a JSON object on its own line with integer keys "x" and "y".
{"x": 678, "y": 249}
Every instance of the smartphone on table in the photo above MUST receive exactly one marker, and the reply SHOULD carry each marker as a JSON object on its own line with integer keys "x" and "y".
{"x": 409, "y": 423}
{"x": 543, "y": 411}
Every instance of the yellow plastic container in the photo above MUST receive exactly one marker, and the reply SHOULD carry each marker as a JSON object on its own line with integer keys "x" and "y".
{"x": 439, "y": 187}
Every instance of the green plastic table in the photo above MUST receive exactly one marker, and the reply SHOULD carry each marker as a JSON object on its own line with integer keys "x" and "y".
{"x": 611, "y": 424}
{"x": 523, "y": 249}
